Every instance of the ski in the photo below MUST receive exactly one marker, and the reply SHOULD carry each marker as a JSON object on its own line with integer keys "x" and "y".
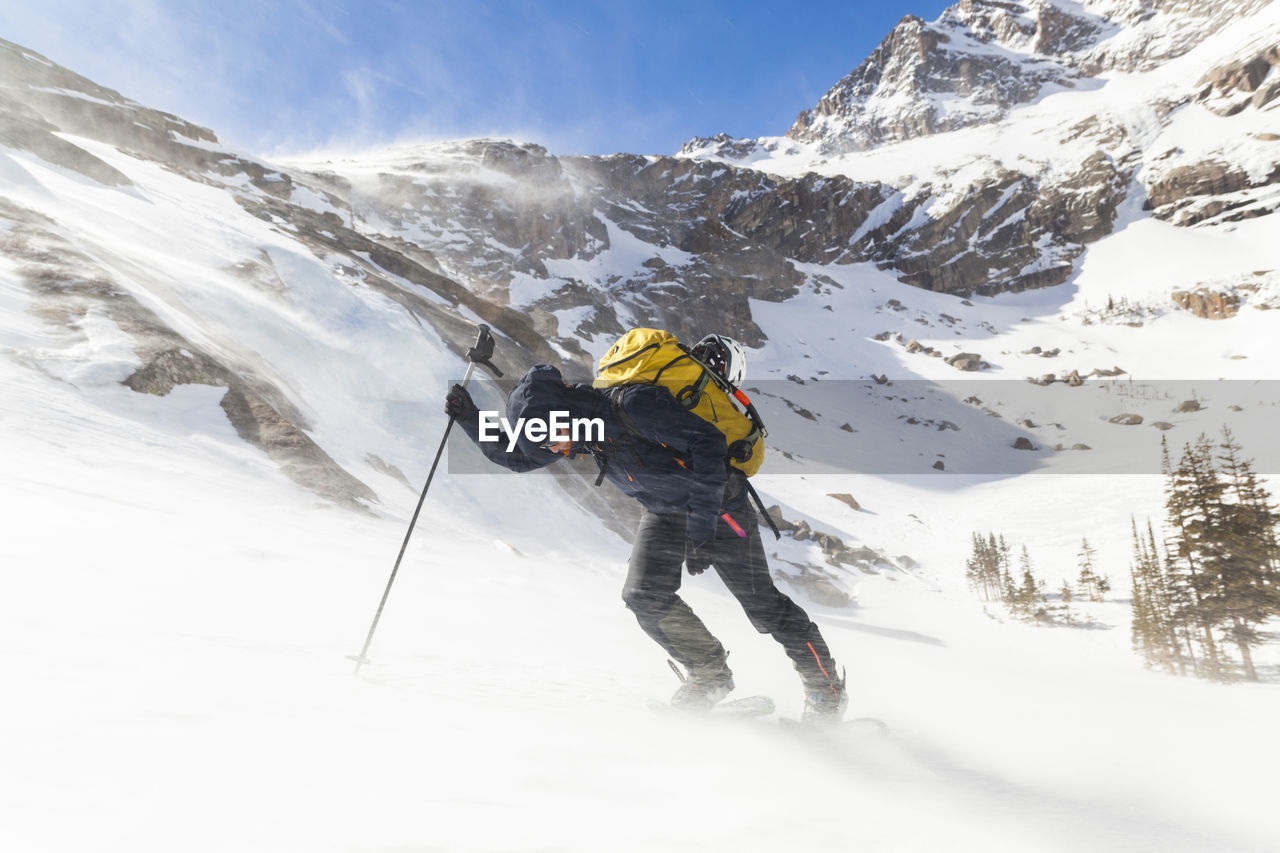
{"x": 862, "y": 725}
{"x": 747, "y": 706}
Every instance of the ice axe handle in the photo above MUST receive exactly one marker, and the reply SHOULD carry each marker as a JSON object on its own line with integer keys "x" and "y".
{"x": 483, "y": 350}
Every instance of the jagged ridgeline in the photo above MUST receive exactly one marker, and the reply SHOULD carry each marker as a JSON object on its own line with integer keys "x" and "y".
{"x": 937, "y": 160}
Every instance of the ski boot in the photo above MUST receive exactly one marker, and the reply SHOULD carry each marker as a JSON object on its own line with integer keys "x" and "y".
{"x": 824, "y": 704}
{"x": 703, "y": 687}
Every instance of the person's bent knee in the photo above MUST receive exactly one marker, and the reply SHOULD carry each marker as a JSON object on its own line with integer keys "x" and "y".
{"x": 647, "y": 604}
{"x": 776, "y": 614}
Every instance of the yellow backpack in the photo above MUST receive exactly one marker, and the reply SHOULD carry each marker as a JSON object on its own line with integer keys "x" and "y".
{"x": 654, "y": 357}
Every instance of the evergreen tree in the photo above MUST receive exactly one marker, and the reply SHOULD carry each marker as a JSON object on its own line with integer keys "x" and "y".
{"x": 1009, "y": 591}
{"x": 1153, "y": 632}
{"x": 1139, "y": 627}
{"x": 973, "y": 569}
{"x": 1190, "y": 490}
{"x": 1173, "y": 605}
{"x": 987, "y": 568}
{"x": 1223, "y": 555}
{"x": 1028, "y": 593}
{"x": 1243, "y": 594}
{"x": 1087, "y": 580}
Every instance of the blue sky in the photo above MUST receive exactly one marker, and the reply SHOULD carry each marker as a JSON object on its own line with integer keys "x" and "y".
{"x": 577, "y": 76}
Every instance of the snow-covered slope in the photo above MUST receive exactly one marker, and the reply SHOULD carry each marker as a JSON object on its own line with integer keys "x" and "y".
{"x": 178, "y": 679}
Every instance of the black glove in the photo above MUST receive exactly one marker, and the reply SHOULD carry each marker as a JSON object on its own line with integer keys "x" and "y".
{"x": 458, "y": 404}
{"x": 697, "y": 556}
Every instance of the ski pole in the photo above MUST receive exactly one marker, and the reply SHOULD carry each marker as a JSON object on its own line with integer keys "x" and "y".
{"x": 478, "y": 354}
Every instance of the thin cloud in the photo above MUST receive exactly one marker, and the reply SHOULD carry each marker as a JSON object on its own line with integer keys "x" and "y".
{"x": 320, "y": 19}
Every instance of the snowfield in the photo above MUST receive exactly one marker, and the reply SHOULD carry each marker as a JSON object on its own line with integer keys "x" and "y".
{"x": 177, "y": 616}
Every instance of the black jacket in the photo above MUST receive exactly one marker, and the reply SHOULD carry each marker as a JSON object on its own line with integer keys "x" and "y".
{"x": 654, "y": 450}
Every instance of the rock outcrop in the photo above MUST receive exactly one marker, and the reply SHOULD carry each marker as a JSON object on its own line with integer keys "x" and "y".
{"x": 967, "y": 361}
{"x": 1206, "y": 304}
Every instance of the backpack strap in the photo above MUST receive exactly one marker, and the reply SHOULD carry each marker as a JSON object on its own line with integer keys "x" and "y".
{"x": 777, "y": 534}
{"x": 629, "y": 427}
{"x": 629, "y": 424}
{"x": 602, "y": 464}
{"x": 689, "y": 395}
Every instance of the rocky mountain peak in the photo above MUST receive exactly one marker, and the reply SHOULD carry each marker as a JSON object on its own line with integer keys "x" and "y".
{"x": 979, "y": 58}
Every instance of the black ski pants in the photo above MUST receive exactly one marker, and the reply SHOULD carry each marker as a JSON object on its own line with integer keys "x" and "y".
{"x": 653, "y": 582}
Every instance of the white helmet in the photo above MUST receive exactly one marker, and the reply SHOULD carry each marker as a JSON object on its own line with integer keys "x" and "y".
{"x": 723, "y": 355}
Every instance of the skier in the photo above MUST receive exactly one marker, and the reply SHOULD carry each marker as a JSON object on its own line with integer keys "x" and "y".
{"x": 695, "y": 513}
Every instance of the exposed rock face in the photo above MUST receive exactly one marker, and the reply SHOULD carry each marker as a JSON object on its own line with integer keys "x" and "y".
{"x": 490, "y": 209}
{"x": 724, "y": 235}
{"x": 1127, "y": 419}
{"x": 995, "y": 240}
{"x": 1242, "y": 83}
{"x": 68, "y": 286}
{"x": 298, "y": 456}
{"x": 720, "y": 235}
{"x": 1193, "y": 193}
{"x": 1206, "y": 304}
